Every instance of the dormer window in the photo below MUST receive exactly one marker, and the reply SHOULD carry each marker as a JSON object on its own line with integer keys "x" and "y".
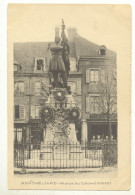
{"x": 39, "y": 64}
{"x": 102, "y": 50}
{"x": 15, "y": 67}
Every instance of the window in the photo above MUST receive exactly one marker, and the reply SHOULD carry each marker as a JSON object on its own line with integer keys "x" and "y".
{"x": 38, "y": 88}
{"x": 94, "y": 106}
{"x": 72, "y": 86}
{"x": 18, "y": 134}
{"x": 19, "y": 87}
{"x": 17, "y": 68}
{"x": 102, "y": 50}
{"x": 72, "y": 64}
{"x": 94, "y": 76}
{"x": 19, "y": 112}
{"x": 39, "y": 64}
{"x": 35, "y": 111}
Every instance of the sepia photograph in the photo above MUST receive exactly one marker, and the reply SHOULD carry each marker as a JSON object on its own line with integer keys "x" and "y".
{"x": 66, "y": 113}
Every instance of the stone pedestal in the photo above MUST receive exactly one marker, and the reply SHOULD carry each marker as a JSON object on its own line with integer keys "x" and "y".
{"x": 60, "y": 140}
{"x": 61, "y": 151}
{"x": 57, "y": 145}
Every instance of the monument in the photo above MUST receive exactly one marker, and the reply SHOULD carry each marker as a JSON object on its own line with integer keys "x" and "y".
{"x": 59, "y": 65}
{"x": 60, "y": 112}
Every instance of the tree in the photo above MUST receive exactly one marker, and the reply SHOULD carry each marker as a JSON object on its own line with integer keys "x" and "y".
{"x": 107, "y": 99}
{"x": 43, "y": 91}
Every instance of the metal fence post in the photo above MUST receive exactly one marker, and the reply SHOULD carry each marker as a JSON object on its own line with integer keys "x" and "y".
{"x": 23, "y": 150}
{"x": 102, "y": 155}
{"x": 29, "y": 141}
{"x": 85, "y": 149}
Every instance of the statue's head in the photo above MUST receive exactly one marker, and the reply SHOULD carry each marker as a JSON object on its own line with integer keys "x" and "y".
{"x": 57, "y": 39}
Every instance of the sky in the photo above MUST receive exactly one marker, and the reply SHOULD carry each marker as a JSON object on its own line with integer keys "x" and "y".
{"x": 101, "y": 24}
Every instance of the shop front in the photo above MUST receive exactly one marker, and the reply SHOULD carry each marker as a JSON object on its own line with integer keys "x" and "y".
{"x": 99, "y": 130}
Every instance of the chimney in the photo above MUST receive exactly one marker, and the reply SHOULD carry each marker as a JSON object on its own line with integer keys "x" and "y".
{"x": 72, "y": 33}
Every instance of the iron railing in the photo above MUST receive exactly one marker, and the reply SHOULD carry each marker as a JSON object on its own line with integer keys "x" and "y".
{"x": 65, "y": 155}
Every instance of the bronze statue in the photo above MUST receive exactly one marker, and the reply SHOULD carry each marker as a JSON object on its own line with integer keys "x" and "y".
{"x": 59, "y": 65}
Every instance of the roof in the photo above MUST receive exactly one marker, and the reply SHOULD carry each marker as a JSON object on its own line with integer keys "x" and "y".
{"x": 85, "y": 48}
{"x": 26, "y": 53}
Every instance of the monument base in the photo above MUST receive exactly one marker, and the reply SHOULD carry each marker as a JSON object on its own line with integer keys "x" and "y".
{"x": 61, "y": 151}
{"x": 60, "y": 140}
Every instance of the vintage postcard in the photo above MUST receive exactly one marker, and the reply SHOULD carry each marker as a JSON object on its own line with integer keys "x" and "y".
{"x": 69, "y": 96}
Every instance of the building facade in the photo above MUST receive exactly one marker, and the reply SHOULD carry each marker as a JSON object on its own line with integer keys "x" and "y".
{"x": 32, "y": 81}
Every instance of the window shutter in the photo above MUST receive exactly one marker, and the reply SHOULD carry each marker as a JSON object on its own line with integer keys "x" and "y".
{"x": 78, "y": 87}
{"x": 38, "y": 108}
{"x": 87, "y": 104}
{"x": 32, "y": 88}
{"x": 114, "y": 107}
{"x": 15, "y": 134}
{"x": 38, "y": 87}
{"x": 16, "y": 87}
{"x": 17, "y": 111}
{"x": 22, "y": 113}
{"x": 26, "y": 87}
{"x": 103, "y": 76}
{"x": 91, "y": 104}
{"x": 87, "y": 76}
{"x": 35, "y": 65}
{"x": 32, "y": 111}
{"x": 21, "y": 87}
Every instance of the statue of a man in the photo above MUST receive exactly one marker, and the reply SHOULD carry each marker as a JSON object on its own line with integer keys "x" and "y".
{"x": 59, "y": 62}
